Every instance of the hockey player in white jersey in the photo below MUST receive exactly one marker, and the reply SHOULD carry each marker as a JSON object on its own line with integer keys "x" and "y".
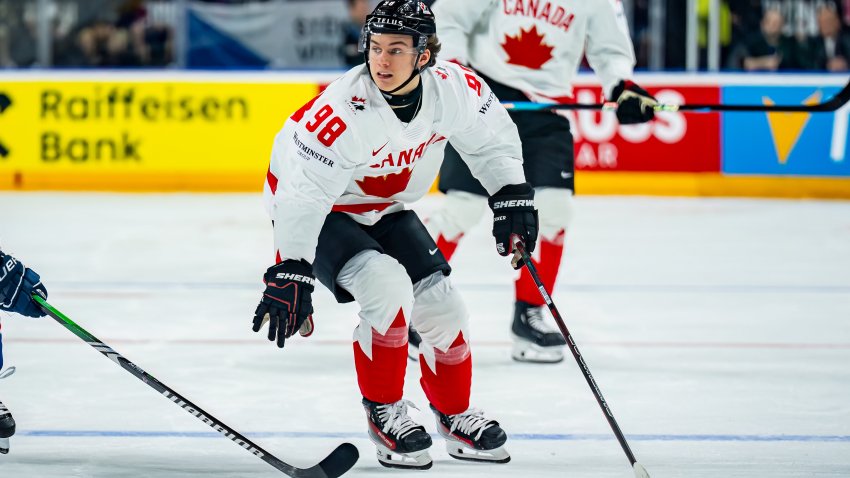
{"x": 17, "y": 285}
{"x": 341, "y": 171}
{"x": 530, "y": 50}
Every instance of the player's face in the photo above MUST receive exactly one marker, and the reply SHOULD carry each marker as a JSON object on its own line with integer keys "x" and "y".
{"x": 391, "y": 61}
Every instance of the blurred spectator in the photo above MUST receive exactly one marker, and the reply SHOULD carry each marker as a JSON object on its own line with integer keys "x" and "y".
{"x": 90, "y": 33}
{"x": 767, "y": 49}
{"x": 150, "y": 43}
{"x": 17, "y": 36}
{"x": 131, "y": 15}
{"x": 357, "y": 11}
{"x": 158, "y": 46}
{"x": 830, "y": 49}
{"x": 139, "y": 33}
{"x": 105, "y": 45}
{"x": 800, "y": 15}
{"x": 747, "y": 16}
{"x": 67, "y": 52}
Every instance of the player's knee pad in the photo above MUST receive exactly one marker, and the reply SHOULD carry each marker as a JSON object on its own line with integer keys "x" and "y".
{"x": 459, "y": 213}
{"x": 555, "y": 208}
{"x": 381, "y": 287}
{"x": 439, "y": 313}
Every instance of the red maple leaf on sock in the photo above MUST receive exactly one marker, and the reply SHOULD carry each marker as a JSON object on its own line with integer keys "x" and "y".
{"x": 527, "y": 49}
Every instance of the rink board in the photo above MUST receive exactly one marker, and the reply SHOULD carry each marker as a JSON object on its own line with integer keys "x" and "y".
{"x": 213, "y": 131}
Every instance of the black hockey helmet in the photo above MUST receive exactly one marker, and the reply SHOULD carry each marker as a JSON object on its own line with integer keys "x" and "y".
{"x": 401, "y": 17}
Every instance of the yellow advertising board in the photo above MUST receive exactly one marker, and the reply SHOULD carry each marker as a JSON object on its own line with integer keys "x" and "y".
{"x": 213, "y": 131}
{"x": 151, "y": 135}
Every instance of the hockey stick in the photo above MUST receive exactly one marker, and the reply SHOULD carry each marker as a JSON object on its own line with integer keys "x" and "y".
{"x": 333, "y": 466}
{"x": 832, "y": 104}
{"x": 640, "y": 471}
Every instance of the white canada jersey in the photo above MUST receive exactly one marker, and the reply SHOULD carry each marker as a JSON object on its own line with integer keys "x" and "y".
{"x": 536, "y": 46}
{"x": 347, "y": 151}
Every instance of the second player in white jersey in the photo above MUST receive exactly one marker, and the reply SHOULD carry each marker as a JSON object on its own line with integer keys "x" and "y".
{"x": 530, "y": 50}
{"x": 537, "y": 46}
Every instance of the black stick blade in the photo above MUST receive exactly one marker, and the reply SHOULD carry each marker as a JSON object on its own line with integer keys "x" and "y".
{"x": 333, "y": 466}
{"x": 340, "y": 460}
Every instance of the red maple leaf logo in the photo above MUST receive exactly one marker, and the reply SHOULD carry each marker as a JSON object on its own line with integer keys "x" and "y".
{"x": 527, "y": 49}
{"x": 385, "y": 186}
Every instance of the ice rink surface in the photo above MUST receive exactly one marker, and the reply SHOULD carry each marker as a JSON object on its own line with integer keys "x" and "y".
{"x": 717, "y": 329}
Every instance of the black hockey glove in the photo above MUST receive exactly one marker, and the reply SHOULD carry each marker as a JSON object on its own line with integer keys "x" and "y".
{"x": 286, "y": 304}
{"x": 634, "y": 104}
{"x": 514, "y": 216}
{"x": 17, "y": 285}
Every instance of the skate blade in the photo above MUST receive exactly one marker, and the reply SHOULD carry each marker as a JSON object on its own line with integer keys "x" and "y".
{"x": 420, "y": 460}
{"x": 525, "y": 351}
{"x": 460, "y": 452}
{"x": 7, "y": 373}
{"x": 4, "y": 446}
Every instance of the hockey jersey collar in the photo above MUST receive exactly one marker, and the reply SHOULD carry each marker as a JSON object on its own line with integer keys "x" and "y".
{"x": 392, "y": 125}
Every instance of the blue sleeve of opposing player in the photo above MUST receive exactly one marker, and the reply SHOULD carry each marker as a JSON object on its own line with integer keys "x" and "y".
{"x": 17, "y": 285}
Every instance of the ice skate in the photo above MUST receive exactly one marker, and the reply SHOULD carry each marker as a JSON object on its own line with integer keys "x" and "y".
{"x": 470, "y": 436}
{"x": 534, "y": 341}
{"x": 400, "y": 442}
{"x": 7, "y": 428}
{"x": 413, "y": 341}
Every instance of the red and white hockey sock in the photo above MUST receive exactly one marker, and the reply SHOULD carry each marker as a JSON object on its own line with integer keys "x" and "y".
{"x": 381, "y": 360}
{"x": 447, "y": 377}
{"x": 548, "y": 264}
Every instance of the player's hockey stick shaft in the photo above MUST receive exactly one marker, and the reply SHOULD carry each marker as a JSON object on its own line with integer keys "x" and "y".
{"x": 333, "y": 466}
{"x": 639, "y": 470}
{"x": 832, "y": 104}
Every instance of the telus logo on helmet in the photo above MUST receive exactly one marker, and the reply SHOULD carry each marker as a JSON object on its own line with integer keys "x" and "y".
{"x": 389, "y": 21}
